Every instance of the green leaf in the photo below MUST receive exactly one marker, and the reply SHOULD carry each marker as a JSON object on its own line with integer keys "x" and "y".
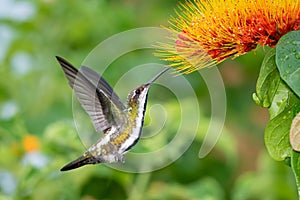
{"x": 296, "y": 168}
{"x": 268, "y": 81}
{"x": 280, "y": 100}
{"x": 277, "y": 131}
{"x": 283, "y": 104}
{"x": 288, "y": 59}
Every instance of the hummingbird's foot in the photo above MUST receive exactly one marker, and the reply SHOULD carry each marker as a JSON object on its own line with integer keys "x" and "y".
{"x": 112, "y": 158}
{"x": 122, "y": 158}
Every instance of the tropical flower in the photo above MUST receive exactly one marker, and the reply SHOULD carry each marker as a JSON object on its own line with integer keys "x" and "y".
{"x": 207, "y": 32}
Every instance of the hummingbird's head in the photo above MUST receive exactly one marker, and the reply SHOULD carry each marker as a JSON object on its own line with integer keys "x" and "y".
{"x": 138, "y": 97}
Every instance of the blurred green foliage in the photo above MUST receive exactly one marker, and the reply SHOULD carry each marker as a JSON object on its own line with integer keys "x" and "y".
{"x": 36, "y": 110}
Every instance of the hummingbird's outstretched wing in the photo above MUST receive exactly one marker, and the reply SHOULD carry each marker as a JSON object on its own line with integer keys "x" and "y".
{"x": 102, "y": 85}
{"x": 98, "y": 100}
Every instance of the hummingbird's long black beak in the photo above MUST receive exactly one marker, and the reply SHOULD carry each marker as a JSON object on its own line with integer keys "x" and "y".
{"x": 157, "y": 76}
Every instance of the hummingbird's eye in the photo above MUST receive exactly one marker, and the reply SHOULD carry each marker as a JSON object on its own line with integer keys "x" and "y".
{"x": 137, "y": 92}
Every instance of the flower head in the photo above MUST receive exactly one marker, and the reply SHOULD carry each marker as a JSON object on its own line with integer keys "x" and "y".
{"x": 207, "y": 32}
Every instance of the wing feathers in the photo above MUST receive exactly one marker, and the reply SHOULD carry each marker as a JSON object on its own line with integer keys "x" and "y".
{"x": 94, "y": 100}
{"x": 102, "y": 85}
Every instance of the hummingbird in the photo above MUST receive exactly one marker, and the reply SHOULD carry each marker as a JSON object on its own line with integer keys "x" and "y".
{"x": 121, "y": 124}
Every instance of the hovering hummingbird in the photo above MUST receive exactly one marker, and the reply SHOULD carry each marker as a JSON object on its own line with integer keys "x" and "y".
{"x": 121, "y": 125}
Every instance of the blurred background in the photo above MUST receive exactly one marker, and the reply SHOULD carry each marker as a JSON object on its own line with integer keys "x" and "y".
{"x": 37, "y": 131}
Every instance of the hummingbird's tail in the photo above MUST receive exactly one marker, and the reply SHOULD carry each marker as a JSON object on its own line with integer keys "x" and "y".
{"x": 79, "y": 162}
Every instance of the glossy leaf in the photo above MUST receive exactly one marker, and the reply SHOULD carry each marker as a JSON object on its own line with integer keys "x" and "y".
{"x": 279, "y": 101}
{"x": 277, "y": 131}
{"x": 268, "y": 81}
{"x": 288, "y": 59}
{"x": 283, "y": 104}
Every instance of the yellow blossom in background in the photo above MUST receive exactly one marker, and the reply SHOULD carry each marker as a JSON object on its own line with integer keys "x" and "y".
{"x": 205, "y": 32}
{"x": 31, "y": 143}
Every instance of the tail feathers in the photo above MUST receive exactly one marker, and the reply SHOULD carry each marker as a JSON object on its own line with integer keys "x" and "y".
{"x": 79, "y": 162}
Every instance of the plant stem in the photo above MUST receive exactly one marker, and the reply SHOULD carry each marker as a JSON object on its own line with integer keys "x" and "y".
{"x": 139, "y": 187}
